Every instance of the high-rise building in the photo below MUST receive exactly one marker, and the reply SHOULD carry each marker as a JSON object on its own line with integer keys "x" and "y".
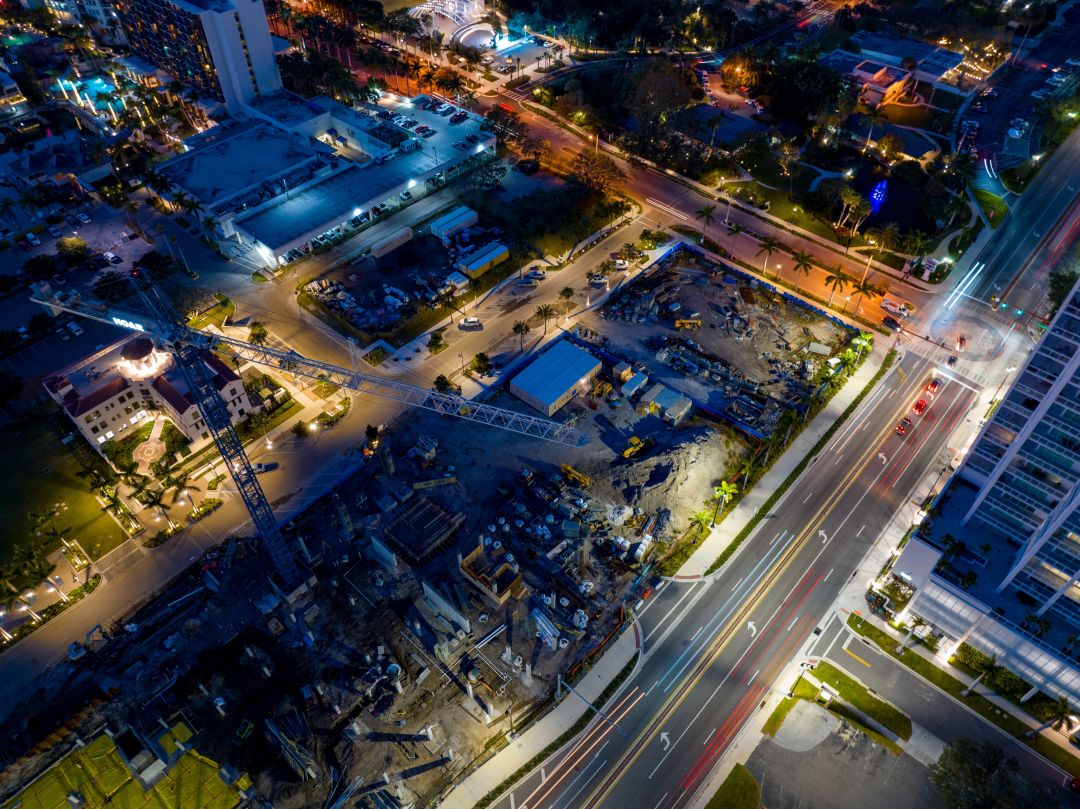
{"x": 222, "y": 48}
{"x": 1026, "y": 465}
{"x": 998, "y": 563}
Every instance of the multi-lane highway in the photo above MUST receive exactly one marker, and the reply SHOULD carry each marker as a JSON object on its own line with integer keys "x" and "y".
{"x": 714, "y": 648}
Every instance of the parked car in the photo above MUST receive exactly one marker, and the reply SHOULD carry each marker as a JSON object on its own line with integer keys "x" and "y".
{"x": 55, "y": 232}
{"x": 448, "y": 111}
{"x": 892, "y": 323}
{"x": 458, "y": 117}
{"x": 428, "y": 132}
{"x": 62, "y": 333}
{"x": 75, "y": 328}
{"x": 112, "y": 258}
{"x": 951, "y": 361}
{"x": 470, "y": 323}
{"x": 32, "y": 239}
{"x": 405, "y": 195}
{"x": 84, "y": 218}
{"x": 259, "y": 468}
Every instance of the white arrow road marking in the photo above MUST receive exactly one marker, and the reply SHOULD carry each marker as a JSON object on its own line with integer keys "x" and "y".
{"x": 883, "y": 457}
{"x": 666, "y": 740}
{"x": 824, "y": 537}
{"x": 752, "y": 627}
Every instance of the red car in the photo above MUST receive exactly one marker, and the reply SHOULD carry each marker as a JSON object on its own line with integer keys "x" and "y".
{"x": 933, "y": 386}
{"x": 920, "y": 407}
{"x": 903, "y": 426}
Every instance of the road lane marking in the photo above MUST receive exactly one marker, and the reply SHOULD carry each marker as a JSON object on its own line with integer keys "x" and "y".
{"x": 652, "y": 687}
{"x": 711, "y": 732}
{"x": 795, "y": 621}
{"x": 599, "y": 766}
{"x": 860, "y": 531}
{"x": 666, "y": 208}
{"x": 543, "y": 775}
{"x": 808, "y": 498}
{"x": 753, "y": 677}
{"x": 839, "y": 458}
{"x": 697, "y": 633}
{"x": 660, "y": 802}
{"x": 830, "y": 572}
{"x": 848, "y": 651}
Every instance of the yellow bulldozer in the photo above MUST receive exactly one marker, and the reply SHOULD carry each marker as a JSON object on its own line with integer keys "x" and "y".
{"x": 688, "y": 324}
{"x": 636, "y": 445}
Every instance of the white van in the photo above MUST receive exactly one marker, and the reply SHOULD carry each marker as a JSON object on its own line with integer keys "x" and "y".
{"x": 470, "y": 324}
{"x": 896, "y": 306}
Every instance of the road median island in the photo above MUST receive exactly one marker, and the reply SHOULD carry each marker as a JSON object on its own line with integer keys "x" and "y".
{"x": 789, "y": 481}
{"x": 956, "y": 689}
{"x": 856, "y": 695}
{"x": 565, "y": 737}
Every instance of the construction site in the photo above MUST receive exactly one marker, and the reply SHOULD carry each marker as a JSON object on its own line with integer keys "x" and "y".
{"x": 456, "y": 578}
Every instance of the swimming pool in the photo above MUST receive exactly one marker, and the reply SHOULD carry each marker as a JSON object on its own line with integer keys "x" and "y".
{"x": 89, "y": 88}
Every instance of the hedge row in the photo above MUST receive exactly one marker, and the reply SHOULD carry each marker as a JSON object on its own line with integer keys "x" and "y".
{"x": 767, "y": 507}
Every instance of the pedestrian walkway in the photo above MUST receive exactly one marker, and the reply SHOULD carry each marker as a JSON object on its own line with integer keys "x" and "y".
{"x": 557, "y": 722}
{"x": 723, "y": 534}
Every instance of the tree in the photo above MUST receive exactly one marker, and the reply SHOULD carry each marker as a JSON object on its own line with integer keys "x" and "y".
{"x": 1061, "y": 283}
{"x": 446, "y": 301}
{"x": 521, "y": 329}
{"x": 371, "y": 436}
{"x": 443, "y": 384}
{"x": 705, "y": 214}
{"x": 41, "y": 267}
{"x": 155, "y": 498}
{"x": 700, "y": 520}
{"x": 835, "y": 280}
{"x": 802, "y": 265}
{"x": 978, "y": 775}
{"x": 872, "y": 118}
{"x": 746, "y": 469}
{"x": 481, "y": 363}
{"x": 257, "y": 333}
{"x": 1059, "y": 716}
{"x": 72, "y": 250}
{"x": 735, "y": 229}
{"x": 769, "y": 245}
{"x": 596, "y": 171}
{"x": 862, "y": 289}
{"x": 722, "y": 494}
{"x": 181, "y": 482}
{"x": 567, "y": 295}
{"x": 546, "y": 311}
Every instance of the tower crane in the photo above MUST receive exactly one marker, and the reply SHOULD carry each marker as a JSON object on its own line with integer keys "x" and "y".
{"x": 188, "y": 346}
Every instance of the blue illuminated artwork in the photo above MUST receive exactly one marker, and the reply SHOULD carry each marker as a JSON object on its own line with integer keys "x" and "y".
{"x": 877, "y": 197}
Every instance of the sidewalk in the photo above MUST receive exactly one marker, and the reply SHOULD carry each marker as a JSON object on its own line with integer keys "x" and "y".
{"x": 560, "y": 719}
{"x": 746, "y": 508}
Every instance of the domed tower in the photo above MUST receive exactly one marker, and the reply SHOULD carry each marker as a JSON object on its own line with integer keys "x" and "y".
{"x": 141, "y": 361}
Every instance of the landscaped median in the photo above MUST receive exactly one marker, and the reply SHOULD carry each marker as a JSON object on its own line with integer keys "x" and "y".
{"x": 48, "y": 613}
{"x": 926, "y": 669}
{"x": 740, "y": 790}
{"x": 774, "y": 498}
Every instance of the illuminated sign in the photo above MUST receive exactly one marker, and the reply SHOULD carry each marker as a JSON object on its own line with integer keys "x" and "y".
{"x": 127, "y": 324}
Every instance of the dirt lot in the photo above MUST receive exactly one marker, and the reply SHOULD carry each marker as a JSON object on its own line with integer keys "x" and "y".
{"x": 743, "y": 349}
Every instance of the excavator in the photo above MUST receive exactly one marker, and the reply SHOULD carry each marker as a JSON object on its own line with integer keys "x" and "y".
{"x": 574, "y": 476}
{"x": 688, "y": 324}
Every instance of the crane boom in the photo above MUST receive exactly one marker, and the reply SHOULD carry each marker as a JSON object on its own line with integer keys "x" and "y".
{"x": 294, "y": 363}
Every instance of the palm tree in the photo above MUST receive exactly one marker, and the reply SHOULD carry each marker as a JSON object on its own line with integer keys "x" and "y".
{"x": 1060, "y": 715}
{"x": 873, "y": 118}
{"x": 705, "y": 214}
{"x": 546, "y": 311}
{"x": 567, "y": 295}
{"x": 990, "y": 672}
{"x": 886, "y": 235}
{"x": 521, "y": 329}
{"x": 862, "y": 288}
{"x": 835, "y": 280}
{"x": 699, "y": 520}
{"x": 182, "y": 482}
{"x": 446, "y": 300}
{"x": 735, "y": 229}
{"x": 155, "y": 498}
{"x": 769, "y": 245}
{"x": 723, "y": 494}
{"x": 746, "y": 469}
{"x": 802, "y": 264}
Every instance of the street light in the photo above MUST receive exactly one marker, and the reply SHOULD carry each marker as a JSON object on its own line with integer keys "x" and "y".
{"x": 28, "y": 609}
{"x": 313, "y": 428}
{"x": 462, "y": 358}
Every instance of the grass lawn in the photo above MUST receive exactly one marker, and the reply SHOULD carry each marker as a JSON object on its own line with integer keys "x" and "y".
{"x": 215, "y": 315}
{"x": 740, "y": 790}
{"x": 917, "y": 117}
{"x": 980, "y": 704}
{"x": 42, "y": 472}
{"x": 776, "y": 719}
{"x": 859, "y": 698}
{"x": 324, "y": 389}
{"x": 781, "y": 206}
{"x": 992, "y": 205}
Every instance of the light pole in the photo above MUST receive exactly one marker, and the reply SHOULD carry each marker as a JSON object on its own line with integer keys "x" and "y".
{"x": 30, "y": 611}
{"x": 1001, "y": 384}
{"x": 462, "y": 358}
{"x": 313, "y": 428}
{"x": 869, "y": 258}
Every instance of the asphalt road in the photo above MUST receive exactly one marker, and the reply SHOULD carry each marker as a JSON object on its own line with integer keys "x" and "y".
{"x": 936, "y": 712}
{"x": 714, "y": 649}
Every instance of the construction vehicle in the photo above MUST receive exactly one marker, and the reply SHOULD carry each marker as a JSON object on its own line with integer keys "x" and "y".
{"x": 636, "y": 445}
{"x": 160, "y": 322}
{"x": 601, "y": 388}
{"x": 574, "y": 476}
{"x": 688, "y": 324}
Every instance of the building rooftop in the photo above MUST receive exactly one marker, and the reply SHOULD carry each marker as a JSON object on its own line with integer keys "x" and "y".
{"x": 422, "y": 530}
{"x": 288, "y": 109}
{"x": 99, "y": 774}
{"x": 555, "y": 371}
{"x": 228, "y": 160}
{"x": 896, "y": 49}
